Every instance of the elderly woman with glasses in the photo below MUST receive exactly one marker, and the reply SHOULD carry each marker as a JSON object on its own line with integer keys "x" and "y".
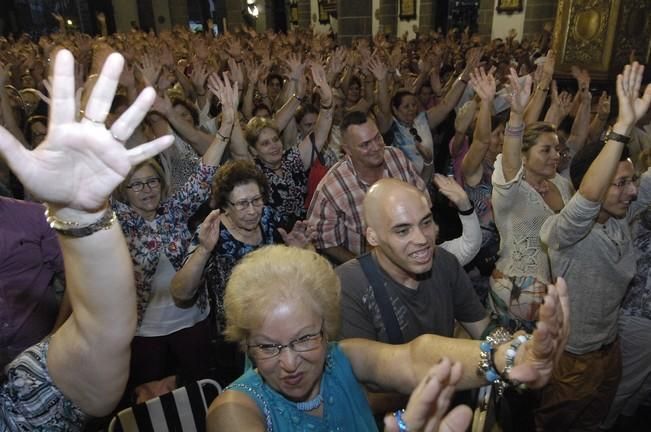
{"x": 283, "y": 309}
{"x": 169, "y": 340}
{"x": 241, "y": 223}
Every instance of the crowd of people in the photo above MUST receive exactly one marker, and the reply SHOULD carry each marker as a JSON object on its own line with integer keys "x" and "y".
{"x": 314, "y": 226}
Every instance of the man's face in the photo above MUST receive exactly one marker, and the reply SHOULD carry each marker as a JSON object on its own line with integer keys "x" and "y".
{"x": 405, "y": 235}
{"x": 620, "y": 193}
{"x": 365, "y": 145}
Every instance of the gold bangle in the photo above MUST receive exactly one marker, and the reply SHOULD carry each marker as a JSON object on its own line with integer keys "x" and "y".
{"x": 539, "y": 87}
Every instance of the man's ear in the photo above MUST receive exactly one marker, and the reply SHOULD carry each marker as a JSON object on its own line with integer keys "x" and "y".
{"x": 371, "y": 237}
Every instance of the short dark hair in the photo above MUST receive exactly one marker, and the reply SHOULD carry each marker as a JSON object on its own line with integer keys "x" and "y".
{"x": 234, "y": 173}
{"x": 397, "y": 98}
{"x": 353, "y": 118}
{"x": 584, "y": 158}
{"x": 303, "y": 110}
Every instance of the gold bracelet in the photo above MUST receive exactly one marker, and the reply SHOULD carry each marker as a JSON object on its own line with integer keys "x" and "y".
{"x": 75, "y": 229}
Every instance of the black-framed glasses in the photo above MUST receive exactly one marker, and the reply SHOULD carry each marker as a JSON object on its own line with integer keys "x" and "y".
{"x": 152, "y": 183}
{"x": 245, "y": 203}
{"x": 625, "y": 182}
{"x": 414, "y": 133}
{"x": 304, "y": 343}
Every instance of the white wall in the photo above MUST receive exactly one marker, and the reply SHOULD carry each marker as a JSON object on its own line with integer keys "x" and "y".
{"x": 375, "y": 22}
{"x": 407, "y": 26}
{"x": 503, "y": 23}
{"x": 124, "y": 12}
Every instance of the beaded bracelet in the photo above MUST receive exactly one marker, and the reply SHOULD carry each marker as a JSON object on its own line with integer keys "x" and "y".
{"x": 509, "y": 356}
{"x": 486, "y": 365}
{"x": 513, "y": 131}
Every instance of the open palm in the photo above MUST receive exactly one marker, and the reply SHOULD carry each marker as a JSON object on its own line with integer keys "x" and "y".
{"x": 80, "y": 163}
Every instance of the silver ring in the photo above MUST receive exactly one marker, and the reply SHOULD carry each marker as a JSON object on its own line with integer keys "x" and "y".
{"x": 97, "y": 122}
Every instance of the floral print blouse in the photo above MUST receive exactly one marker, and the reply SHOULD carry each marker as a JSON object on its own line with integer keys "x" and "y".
{"x": 288, "y": 190}
{"x": 168, "y": 233}
{"x": 226, "y": 254}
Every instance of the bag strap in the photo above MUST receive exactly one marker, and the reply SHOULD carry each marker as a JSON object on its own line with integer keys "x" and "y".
{"x": 315, "y": 150}
{"x": 382, "y": 298}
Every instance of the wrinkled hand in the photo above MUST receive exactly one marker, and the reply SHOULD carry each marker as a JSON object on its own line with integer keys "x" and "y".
{"x": 209, "y": 230}
{"x": 301, "y": 235}
{"x": 631, "y": 106}
{"x": 80, "y": 163}
{"x": 430, "y": 401}
{"x": 377, "y": 68}
{"x": 536, "y": 358}
{"x": 453, "y": 191}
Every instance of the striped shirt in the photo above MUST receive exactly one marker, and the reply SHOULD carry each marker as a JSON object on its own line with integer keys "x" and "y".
{"x": 336, "y": 208}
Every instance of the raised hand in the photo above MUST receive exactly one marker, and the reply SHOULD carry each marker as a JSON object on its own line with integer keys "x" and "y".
{"x": 209, "y": 230}
{"x": 430, "y": 400}
{"x": 301, "y": 235}
{"x": 484, "y": 84}
{"x": 377, "y": 68}
{"x": 603, "y": 106}
{"x": 631, "y": 106}
{"x": 236, "y": 72}
{"x": 321, "y": 81}
{"x": 198, "y": 77}
{"x": 562, "y": 101}
{"x": 227, "y": 94}
{"x": 519, "y": 94}
{"x": 80, "y": 163}
{"x": 549, "y": 65}
{"x": 453, "y": 191}
{"x": 536, "y": 358}
{"x": 150, "y": 70}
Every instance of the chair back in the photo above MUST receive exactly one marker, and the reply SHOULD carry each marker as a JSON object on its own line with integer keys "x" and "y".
{"x": 181, "y": 410}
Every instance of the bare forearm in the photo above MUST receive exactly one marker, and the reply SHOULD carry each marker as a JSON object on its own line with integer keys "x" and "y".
{"x": 199, "y": 140}
{"x": 186, "y": 281}
{"x": 339, "y": 253}
{"x": 534, "y": 107}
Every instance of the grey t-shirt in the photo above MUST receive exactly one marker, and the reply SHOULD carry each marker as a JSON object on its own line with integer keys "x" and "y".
{"x": 445, "y": 295}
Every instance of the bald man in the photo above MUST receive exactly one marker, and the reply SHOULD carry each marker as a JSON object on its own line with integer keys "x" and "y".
{"x": 427, "y": 287}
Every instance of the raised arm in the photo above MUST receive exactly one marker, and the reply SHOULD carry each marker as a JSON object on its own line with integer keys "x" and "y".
{"x": 600, "y": 119}
{"x": 74, "y": 171}
{"x": 323, "y": 121}
{"x": 400, "y": 368}
{"x": 535, "y": 106}
{"x": 439, "y": 112}
{"x": 379, "y": 71}
{"x": 471, "y": 166}
{"x": 228, "y": 96}
{"x": 559, "y": 107}
{"x": 198, "y": 139}
{"x": 512, "y": 149}
{"x": 597, "y": 179}
{"x": 186, "y": 281}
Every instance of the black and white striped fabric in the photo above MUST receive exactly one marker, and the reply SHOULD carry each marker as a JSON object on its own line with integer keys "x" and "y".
{"x": 182, "y": 410}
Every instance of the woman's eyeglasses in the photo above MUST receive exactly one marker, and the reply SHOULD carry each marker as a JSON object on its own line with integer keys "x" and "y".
{"x": 305, "y": 343}
{"x": 244, "y": 204}
{"x": 151, "y": 183}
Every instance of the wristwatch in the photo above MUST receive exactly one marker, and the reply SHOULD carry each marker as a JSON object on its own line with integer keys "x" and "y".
{"x": 611, "y": 135}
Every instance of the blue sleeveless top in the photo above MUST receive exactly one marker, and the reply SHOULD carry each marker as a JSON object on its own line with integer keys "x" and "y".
{"x": 345, "y": 407}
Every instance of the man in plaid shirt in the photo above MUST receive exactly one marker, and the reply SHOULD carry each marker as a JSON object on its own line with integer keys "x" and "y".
{"x": 336, "y": 208}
